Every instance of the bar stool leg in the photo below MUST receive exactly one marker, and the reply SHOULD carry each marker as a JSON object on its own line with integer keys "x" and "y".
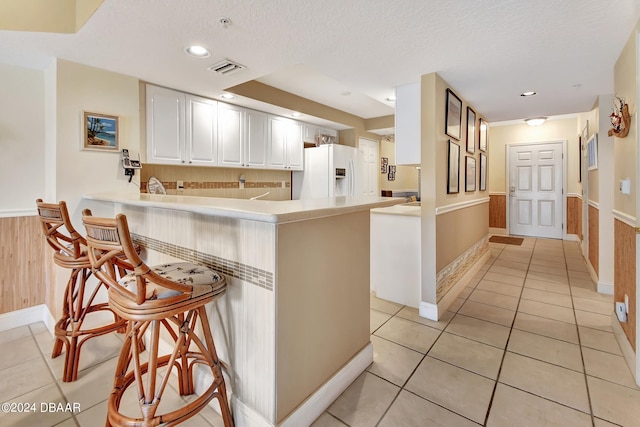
{"x": 221, "y": 392}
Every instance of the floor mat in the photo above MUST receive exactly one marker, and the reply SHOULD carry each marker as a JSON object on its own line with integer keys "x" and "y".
{"x": 506, "y": 240}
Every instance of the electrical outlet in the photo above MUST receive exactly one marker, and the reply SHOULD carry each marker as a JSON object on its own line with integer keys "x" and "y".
{"x": 180, "y": 185}
{"x": 621, "y": 312}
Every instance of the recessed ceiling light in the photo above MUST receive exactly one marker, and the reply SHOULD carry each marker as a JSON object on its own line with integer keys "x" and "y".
{"x": 197, "y": 51}
{"x": 295, "y": 114}
{"x": 227, "y": 96}
{"x": 391, "y": 98}
{"x": 536, "y": 121}
{"x": 530, "y": 93}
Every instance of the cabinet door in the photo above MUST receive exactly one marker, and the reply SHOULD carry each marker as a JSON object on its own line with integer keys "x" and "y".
{"x": 310, "y": 133}
{"x": 201, "y": 131}
{"x": 277, "y": 142}
{"x": 230, "y": 135}
{"x": 165, "y": 125}
{"x": 295, "y": 146}
{"x": 256, "y": 140}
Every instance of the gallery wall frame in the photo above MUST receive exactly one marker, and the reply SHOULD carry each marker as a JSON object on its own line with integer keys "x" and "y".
{"x": 483, "y": 172}
{"x": 471, "y": 130}
{"x": 453, "y": 171}
{"x": 100, "y": 132}
{"x": 470, "y": 174}
{"x": 483, "y": 132}
{"x": 453, "y": 117}
{"x": 592, "y": 152}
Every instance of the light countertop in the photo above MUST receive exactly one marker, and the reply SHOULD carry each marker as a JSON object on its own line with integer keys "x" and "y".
{"x": 407, "y": 209}
{"x": 255, "y": 210}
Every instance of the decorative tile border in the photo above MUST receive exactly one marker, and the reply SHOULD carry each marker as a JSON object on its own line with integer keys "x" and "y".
{"x": 448, "y": 276}
{"x": 247, "y": 273}
{"x": 217, "y": 185}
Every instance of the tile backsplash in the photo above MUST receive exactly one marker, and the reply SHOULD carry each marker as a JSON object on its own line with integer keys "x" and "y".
{"x": 219, "y": 182}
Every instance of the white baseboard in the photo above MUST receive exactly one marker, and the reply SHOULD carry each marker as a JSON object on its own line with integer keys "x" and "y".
{"x": 498, "y": 231}
{"x": 428, "y": 311}
{"x": 592, "y": 271}
{"x": 572, "y": 238}
{"x": 319, "y": 401}
{"x": 605, "y": 288}
{"x": 625, "y": 346}
{"x": 433, "y": 311}
{"x": 26, "y": 316}
{"x": 307, "y": 412}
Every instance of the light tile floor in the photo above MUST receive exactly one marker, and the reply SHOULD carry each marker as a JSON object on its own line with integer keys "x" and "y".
{"x": 527, "y": 343}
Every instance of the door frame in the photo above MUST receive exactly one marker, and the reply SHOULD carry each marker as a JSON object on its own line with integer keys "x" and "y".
{"x": 507, "y": 177}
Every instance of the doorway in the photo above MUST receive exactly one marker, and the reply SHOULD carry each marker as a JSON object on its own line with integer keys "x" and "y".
{"x": 536, "y": 189}
{"x": 369, "y": 169}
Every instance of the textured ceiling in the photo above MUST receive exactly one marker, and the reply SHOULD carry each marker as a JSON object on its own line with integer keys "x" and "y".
{"x": 489, "y": 51}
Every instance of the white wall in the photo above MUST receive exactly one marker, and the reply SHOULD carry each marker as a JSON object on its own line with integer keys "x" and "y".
{"x": 22, "y": 139}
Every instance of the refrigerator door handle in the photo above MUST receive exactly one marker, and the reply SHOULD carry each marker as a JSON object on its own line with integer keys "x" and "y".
{"x": 351, "y": 178}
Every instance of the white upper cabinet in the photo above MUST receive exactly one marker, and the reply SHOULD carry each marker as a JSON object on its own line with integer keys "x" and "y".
{"x": 310, "y": 133}
{"x": 230, "y": 135}
{"x": 295, "y": 146}
{"x": 201, "y": 131}
{"x": 408, "y": 124}
{"x": 165, "y": 126}
{"x": 256, "y": 140}
{"x": 286, "y": 146}
{"x": 192, "y": 130}
{"x": 277, "y": 142}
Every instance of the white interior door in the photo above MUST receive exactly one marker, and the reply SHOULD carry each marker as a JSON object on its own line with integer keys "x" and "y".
{"x": 369, "y": 169}
{"x": 535, "y": 190}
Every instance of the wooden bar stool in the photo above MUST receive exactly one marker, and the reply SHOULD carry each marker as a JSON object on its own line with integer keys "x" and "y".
{"x": 70, "y": 252}
{"x": 171, "y": 297}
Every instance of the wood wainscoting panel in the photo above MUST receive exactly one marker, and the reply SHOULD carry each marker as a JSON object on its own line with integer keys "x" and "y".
{"x": 625, "y": 274}
{"x": 498, "y": 211}
{"x": 574, "y": 216}
{"x": 594, "y": 233}
{"x": 22, "y": 257}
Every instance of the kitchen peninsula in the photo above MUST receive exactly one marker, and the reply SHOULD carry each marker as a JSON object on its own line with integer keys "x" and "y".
{"x": 293, "y": 327}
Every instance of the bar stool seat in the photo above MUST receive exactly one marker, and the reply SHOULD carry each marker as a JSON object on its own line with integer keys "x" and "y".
{"x": 170, "y": 298}
{"x": 70, "y": 252}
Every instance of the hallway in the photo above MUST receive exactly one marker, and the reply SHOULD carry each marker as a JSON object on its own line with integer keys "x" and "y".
{"x": 562, "y": 365}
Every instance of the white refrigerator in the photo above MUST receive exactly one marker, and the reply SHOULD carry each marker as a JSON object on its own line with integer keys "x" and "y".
{"x": 330, "y": 170}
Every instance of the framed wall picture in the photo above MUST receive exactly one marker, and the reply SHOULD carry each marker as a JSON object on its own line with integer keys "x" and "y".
{"x": 392, "y": 173}
{"x": 484, "y": 135}
{"x": 592, "y": 152}
{"x": 470, "y": 173}
{"x": 453, "y": 116}
{"x": 483, "y": 172}
{"x": 584, "y": 137}
{"x": 471, "y": 130}
{"x": 384, "y": 163}
{"x": 453, "y": 176}
{"x": 100, "y": 132}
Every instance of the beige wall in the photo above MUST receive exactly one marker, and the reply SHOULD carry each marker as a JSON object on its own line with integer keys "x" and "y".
{"x": 625, "y": 148}
{"x": 22, "y": 137}
{"x": 81, "y": 88}
{"x": 552, "y": 130}
{"x": 406, "y": 176}
{"x": 438, "y": 248}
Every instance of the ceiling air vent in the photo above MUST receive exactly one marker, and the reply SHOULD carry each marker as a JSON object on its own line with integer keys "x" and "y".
{"x": 226, "y": 67}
